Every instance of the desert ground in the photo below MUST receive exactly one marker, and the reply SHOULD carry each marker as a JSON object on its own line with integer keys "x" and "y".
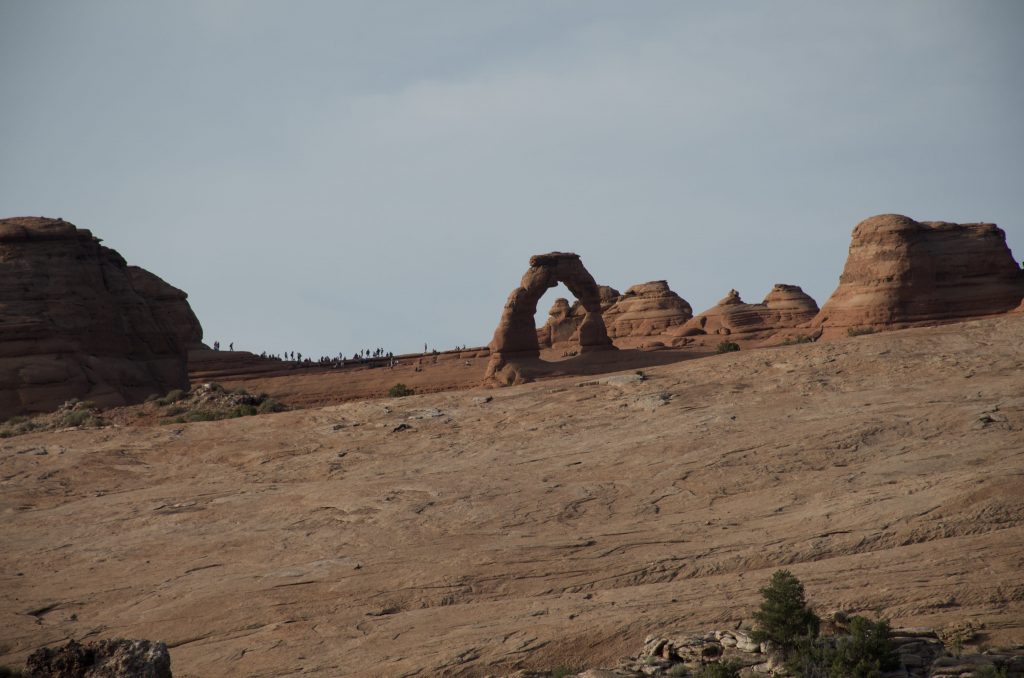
{"x": 477, "y": 531}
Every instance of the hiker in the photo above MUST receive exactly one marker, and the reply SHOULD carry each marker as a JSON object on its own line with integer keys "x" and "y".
{"x": 231, "y": 346}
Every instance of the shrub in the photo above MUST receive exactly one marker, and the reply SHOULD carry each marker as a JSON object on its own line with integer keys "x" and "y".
{"x": 866, "y": 652}
{"x": 172, "y": 396}
{"x": 798, "y": 339}
{"x": 77, "y": 418}
{"x": 727, "y": 347}
{"x": 242, "y": 411}
{"x": 270, "y": 405}
{"x": 678, "y": 670}
{"x": 784, "y": 617}
{"x": 723, "y": 669}
{"x": 400, "y": 390}
{"x": 859, "y": 331}
{"x": 987, "y": 672}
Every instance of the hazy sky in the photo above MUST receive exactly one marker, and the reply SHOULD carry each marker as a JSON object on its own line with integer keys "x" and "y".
{"x": 329, "y": 176}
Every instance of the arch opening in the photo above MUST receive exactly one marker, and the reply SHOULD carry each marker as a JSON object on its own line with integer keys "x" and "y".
{"x": 515, "y": 349}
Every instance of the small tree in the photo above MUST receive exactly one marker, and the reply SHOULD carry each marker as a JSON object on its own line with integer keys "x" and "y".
{"x": 866, "y": 652}
{"x": 784, "y": 617}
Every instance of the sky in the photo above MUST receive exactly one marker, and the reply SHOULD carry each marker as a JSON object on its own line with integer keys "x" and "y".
{"x": 326, "y": 176}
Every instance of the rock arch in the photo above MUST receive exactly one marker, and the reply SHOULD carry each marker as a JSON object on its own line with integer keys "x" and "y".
{"x": 514, "y": 348}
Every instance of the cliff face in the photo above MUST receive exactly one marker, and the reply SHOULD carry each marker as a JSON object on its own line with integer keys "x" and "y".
{"x": 902, "y": 272}
{"x": 75, "y": 321}
{"x": 169, "y": 306}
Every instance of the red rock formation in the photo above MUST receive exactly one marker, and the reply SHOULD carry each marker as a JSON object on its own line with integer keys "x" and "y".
{"x": 73, "y": 324}
{"x": 784, "y": 308}
{"x": 564, "y": 320}
{"x": 169, "y": 305}
{"x": 515, "y": 347}
{"x": 645, "y": 310}
{"x": 901, "y": 273}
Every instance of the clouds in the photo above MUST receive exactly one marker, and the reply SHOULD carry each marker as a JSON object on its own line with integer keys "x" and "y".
{"x": 332, "y": 175}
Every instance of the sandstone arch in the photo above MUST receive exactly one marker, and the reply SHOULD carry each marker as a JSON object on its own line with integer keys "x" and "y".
{"x": 515, "y": 352}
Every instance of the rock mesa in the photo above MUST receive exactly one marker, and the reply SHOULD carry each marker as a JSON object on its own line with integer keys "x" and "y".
{"x": 902, "y": 272}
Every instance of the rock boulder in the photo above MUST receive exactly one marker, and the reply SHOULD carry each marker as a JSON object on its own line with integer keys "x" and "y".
{"x": 116, "y": 658}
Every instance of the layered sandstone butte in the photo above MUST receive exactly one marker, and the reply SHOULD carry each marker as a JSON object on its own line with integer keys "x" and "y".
{"x": 76, "y": 322}
{"x": 564, "y": 319}
{"x": 784, "y": 308}
{"x": 646, "y": 310}
{"x": 515, "y": 349}
{"x": 902, "y": 272}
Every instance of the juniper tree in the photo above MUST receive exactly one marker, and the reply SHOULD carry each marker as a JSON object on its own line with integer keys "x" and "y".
{"x": 784, "y": 617}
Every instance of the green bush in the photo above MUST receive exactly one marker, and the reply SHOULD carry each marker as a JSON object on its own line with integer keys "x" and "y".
{"x": 859, "y": 331}
{"x": 77, "y": 418}
{"x": 242, "y": 411}
{"x": 727, "y": 347}
{"x": 172, "y": 396}
{"x": 270, "y": 405}
{"x": 798, "y": 339}
{"x": 866, "y": 652}
{"x": 400, "y": 390}
{"x": 992, "y": 672}
{"x": 784, "y": 617}
{"x": 722, "y": 669}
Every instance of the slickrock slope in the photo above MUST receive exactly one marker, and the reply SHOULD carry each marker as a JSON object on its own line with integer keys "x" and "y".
{"x": 784, "y": 308}
{"x": 555, "y": 523}
{"x": 73, "y": 323}
{"x": 901, "y": 272}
